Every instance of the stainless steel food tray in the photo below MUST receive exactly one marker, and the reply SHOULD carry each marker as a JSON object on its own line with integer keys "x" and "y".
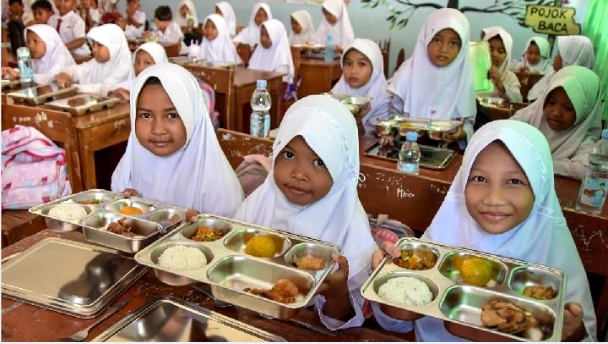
{"x": 69, "y": 277}
{"x": 170, "y": 319}
{"x": 459, "y": 304}
{"x": 83, "y": 103}
{"x": 435, "y": 129}
{"x": 354, "y": 104}
{"x": 229, "y": 270}
{"x": 479, "y": 53}
{"x": 41, "y": 94}
{"x": 434, "y": 158}
{"x": 199, "y": 62}
{"x": 10, "y": 84}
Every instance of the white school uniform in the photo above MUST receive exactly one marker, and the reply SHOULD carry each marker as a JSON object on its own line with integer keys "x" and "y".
{"x": 570, "y": 148}
{"x": 509, "y": 79}
{"x": 229, "y": 16}
{"x": 181, "y": 21}
{"x": 93, "y": 76}
{"x": 197, "y": 176}
{"x": 56, "y": 58}
{"x": 308, "y": 28}
{"x": 95, "y": 14}
{"x": 158, "y": 54}
{"x": 172, "y": 34}
{"x": 342, "y": 31}
{"x": 131, "y": 31}
{"x": 72, "y": 27}
{"x": 105, "y": 6}
{"x": 28, "y": 14}
{"x": 338, "y": 217}
{"x": 221, "y": 48}
{"x": 545, "y": 64}
{"x": 251, "y": 34}
{"x": 543, "y": 238}
{"x": 376, "y": 87}
{"x": 278, "y": 57}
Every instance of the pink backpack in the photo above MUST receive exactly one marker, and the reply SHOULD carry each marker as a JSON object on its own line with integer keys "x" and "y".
{"x": 34, "y": 169}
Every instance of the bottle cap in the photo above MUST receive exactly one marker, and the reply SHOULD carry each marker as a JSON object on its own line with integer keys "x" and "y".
{"x": 23, "y": 52}
{"x": 261, "y": 84}
{"x": 411, "y": 136}
{"x": 605, "y": 134}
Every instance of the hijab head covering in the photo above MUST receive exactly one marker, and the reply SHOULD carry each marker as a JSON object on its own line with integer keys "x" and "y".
{"x": 119, "y": 67}
{"x": 197, "y": 176}
{"x": 308, "y": 28}
{"x": 156, "y": 51}
{"x": 507, "y": 41}
{"x": 342, "y": 31}
{"x": 251, "y": 34}
{"x": 429, "y": 91}
{"x": 279, "y": 53}
{"x": 576, "y": 50}
{"x": 191, "y": 8}
{"x": 57, "y": 56}
{"x": 544, "y": 64}
{"x": 221, "y": 48}
{"x": 229, "y": 16}
{"x": 542, "y": 238}
{"x": 338, "y": 217}
{"x": 486, "y": 29}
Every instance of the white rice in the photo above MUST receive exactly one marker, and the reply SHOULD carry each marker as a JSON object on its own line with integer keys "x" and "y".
{"x": 405, "y": 291}
{"x": 181, "y": 257}
{"x": 68, "y": 212}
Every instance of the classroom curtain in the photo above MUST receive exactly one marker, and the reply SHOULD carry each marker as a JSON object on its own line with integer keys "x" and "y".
{"x": 596, "y": 29}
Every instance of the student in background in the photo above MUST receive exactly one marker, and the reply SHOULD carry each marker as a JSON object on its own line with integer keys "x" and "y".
{"x": 251, "y": 34}
{"x": 335, "y": 22}
{"x": 15, "y": 25}
{"x": 71, "y": 27}
{"x": 217, "y": 45}
{"x": 224, "y": 9}
{"x": 90, "y": 13}
{"x": 302, "y": 28}
{"x": 186, "y": 14}
{"x": 569, "y": 115}
{"x": 274, "y": 53}
{"x": 571, "y": 51}
{"x": 506, "y": 84}
{"x": 107, "y": 6}
{"x": 167, "y": 30}
{"x": 43, "y": 11}
{"x": 135, "y": 20}
{"x": 363, "y": 75}
{"x": 536, "y": 58}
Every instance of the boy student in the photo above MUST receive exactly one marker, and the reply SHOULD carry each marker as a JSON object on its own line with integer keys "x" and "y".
{"x": 71, "y": 27}
{"x": 167, "y": 30}
{"x": 135, "y": 19}
{"x": 43, "y": 11}
{"x": 15, "y": 24}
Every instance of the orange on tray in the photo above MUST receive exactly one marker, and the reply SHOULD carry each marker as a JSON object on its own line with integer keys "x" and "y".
{"x": 128, "y": 210}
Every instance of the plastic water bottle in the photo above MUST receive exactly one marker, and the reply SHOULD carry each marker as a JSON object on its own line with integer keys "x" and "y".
{"x": 409, "y": 154}
{"x": 329, "y": 48}
{"x": 24, "y": 61}
{"x": 594, "y": 188}
{"x": 260, "y": 104}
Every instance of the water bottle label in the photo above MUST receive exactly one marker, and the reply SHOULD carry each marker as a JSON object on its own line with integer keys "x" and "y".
{"x": 26, "y": 73}
{"x": 594, "y": 192}
{"x": 411, "y": 168}
{"x": 266, "y": 125}
{"x": 255, "y": 125}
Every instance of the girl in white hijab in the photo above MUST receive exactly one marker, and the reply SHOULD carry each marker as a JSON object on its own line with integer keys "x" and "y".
{"x": 185, "y": 11}
{"x": 312, "y": 191}
{"x": 362, "y": 58}
{"x": 216, "y": 45}
{"x": 572, "y": 50}
{"x": 534, "y": 231}
{"x": 335, "y": 22}
{"x": 111, "y": 64}
{"x": 196, "y": 176}
{"x": 224, "y": 9}
{"x": 536, "y": 58}
{"x": 302, "y": 28}
{"x": 574, "y": 125}
{"x": 251, "y": 34}
{"x": 274, "y": 53}
{"x": 506, "y": 84}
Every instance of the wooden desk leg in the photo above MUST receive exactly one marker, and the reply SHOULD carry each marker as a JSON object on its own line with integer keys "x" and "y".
{"x": 74, "y": 166}
{"x": 87, "y": 155}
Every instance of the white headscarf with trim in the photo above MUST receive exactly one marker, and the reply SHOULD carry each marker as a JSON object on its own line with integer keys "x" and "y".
{"x": 279, "y": 53}
{"x": 221, "y": 48}
{"x": 342, "y": 31}
{"x": 308, "y": 28}
{"x": 251, "y": 34}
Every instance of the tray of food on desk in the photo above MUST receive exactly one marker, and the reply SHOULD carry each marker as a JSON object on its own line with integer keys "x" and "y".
{"x": 199, "y": 62}
{"x": 110, "y": 219}
{"x": 41, "y": 94}
{"x": 309, "y": 46}
{"x": 10, "y": 84}
{"x": 492, "y": 101}
{"x": 436, "y": 129}
{"x": 479, "y": 296}
{"x": 265, "y": 270}
{"x": 354, "y": 104}
{"x": 83, "y": 103}
{"x": 435, "y": 158}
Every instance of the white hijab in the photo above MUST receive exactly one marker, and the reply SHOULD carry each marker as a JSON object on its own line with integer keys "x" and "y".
{"x": 198, "y": 176}
{"x": 308, "y": 28}
{"x": 375, "y": 87}
{"x": 181, "y": 21}
{"x": 342, "y": 31}
{"x": 229, "y": 16}
{"x": 582, "y": 86}
{"x": 221, "y": 48}
{"x": 118, "y": 68}
{"x": 545, "y": 64}
{"x": 279, "y": 53}
{"x": 428, "y": 91}
{"x": 157, "y": 53}
{"x": 57, "y": 56}
{"x": 251, "y": 34}
{"x": 507, "y": 41}
{"x": 339, "y": 217}
{"x": 543, "y": 238}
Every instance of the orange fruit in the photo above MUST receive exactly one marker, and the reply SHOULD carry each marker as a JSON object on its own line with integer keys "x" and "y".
{"x": 261, "y": 246}
{"x": 127, "y": 210}
{"x": 476, "y": 271}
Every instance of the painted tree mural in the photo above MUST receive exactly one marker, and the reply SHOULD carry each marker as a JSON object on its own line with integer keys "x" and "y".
{"x": 402, "y": 10}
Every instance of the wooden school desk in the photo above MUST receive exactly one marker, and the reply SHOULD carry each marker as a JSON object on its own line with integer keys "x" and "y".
{"x": 18, "y": 225}
{"x": 318, "y": 75}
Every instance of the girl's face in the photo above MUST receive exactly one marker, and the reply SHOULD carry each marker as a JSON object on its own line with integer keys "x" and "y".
{"x": 265, "y": 38}
{"x": 36, "y": 45}
{"x": 357, "y": 68}
{"x": 498, "y": 194}
{"x": 300, "y": 174}
{"x": 558, "y": 63}
{"x": 558, "y": 110}
{"x": 295, "y": 26}
{"x": 260, "y": 17}
{"x": 184, "y": 11}
{"x": 158, "y": 126}
{"x": 444, "y": 47}
{"x": 210, "y": 30}
{"x": 533, "y": 54}
{"x": 218, "y": 11}
{"x": 497, "y": 51}
{"x": 143, "y": 60}
{"x": 332, "y": 19}
{"x": 101, "y": 52}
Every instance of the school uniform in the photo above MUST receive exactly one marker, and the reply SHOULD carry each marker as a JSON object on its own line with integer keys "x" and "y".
{"x": 251, "y": 34}
{"x": 95, "y": 15}
{"x": 276, "y": 58}
{"x": 131, "y": 31}
{"x": 70, "y": 27}
{"x": 544, "y": 65}
{"x": 308, "y": 28}
{"x": 229, "y": 16}
{"x": 221, "y": 48}
{"x": 570, "y": 148}
{"x": 56, "y": 58}
{"x": 197, "y": 176}
{"x": 28, "y": 14}
{"x": 342, "y": 31}
{"x": 172, "y": 34}
{"x": 181, "y": 21}
{"x": 509, "y": 79}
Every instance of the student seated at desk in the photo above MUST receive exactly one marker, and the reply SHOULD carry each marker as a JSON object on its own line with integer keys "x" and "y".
{"x": 167, "y": 31}
{"x": 111, "y": 64}
{"x": 173, "y": 155}
{"x": 312, "y": 191}
{"x": 224, "y": 9}
{"x": 71, "y": 27}
{"x": 136, "y": 20}
{"x": 569, "y": 114}
{"x": 506, "y": 84}
{"x": 250, "y": 35}
{"x": 49, "y": 54}
{"x": 43, "y": 11}
{"x": 302, "y": 28}
{"x": 335, "y": 22}
{"x": 503, "y": 201}
{"x": 186, "y": 14}
{"x": 90, "y": 13}
{"x": 274, "y": 53}
{"x": 536, "y": 58}
{"x": 216, "y": 44}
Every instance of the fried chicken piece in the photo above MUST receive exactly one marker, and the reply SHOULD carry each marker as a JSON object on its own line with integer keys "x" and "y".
{"x": 119, "y": 227}
{"x": 310, "y": 263}
{"x": 540, "y": 292}
{"x": 506, "y": 317}
{"x": 284, "y": 291}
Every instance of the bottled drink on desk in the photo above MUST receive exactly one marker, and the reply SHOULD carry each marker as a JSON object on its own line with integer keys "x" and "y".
{"x": 409, "y": 154}
{"x": 24, "y": 61}
{"x": 594, "y": 187}
{"x": 260, "y": 104}
{"x": 329, "y": 48}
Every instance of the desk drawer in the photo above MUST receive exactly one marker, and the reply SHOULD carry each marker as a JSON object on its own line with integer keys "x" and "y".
{"x": 107, "y": 134}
